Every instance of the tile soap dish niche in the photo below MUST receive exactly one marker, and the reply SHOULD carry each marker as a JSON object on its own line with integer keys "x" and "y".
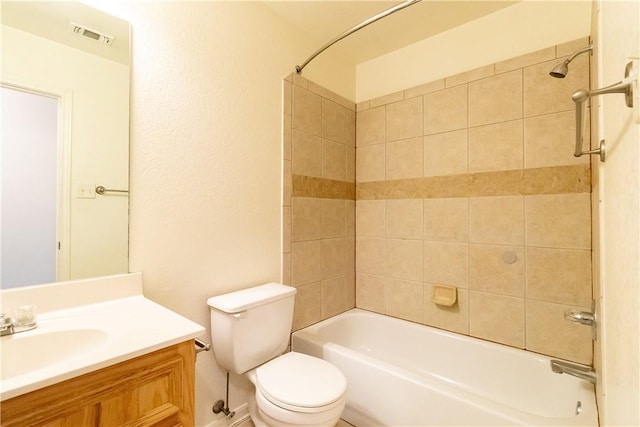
{"x": 445, "y": 296}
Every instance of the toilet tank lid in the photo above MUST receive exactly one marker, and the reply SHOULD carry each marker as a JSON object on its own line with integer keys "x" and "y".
{"x": 245, "y": 299}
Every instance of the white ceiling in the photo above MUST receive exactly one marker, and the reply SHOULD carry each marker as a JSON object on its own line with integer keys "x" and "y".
{"x": 323, "y": 20}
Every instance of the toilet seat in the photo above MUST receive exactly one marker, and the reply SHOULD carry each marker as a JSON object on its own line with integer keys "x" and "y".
{"x": 301, "y": 383}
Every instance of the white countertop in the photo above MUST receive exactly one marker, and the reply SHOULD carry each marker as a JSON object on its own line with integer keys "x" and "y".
{"x": 117, "y": 329}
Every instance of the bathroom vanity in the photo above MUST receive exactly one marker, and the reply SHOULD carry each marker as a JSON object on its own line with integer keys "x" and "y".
{"x": 150, "y": 390}
{"x": 102, "y": 354}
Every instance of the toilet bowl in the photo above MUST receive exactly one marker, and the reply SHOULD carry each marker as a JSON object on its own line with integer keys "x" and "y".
{"x": 296, "y": 390}
{"x": 250, "y": 330}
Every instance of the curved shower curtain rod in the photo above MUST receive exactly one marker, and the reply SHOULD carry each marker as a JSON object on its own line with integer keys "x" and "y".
{"x": 352, "y": 30}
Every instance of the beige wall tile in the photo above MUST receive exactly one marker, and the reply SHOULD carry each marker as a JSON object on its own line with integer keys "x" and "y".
{"x": 370, "y": 218}
{"x": 351, "y": 291}
{"x": 446, "y": 263}
{"x": 334, "y": 160}
{"x": 568, "y": 48}
{"x": 305, "y": 267}
{"x": 498, "y": 220}
{"x": 445, "y": 110}
{"x": 526, "y": 60}
{"x": 559, "y": 275}
{"x": 333, "y": 218}
{"x": 405, "y": 300}
{"x": 287, "y": 138}
{"x": 559, "y": 221}
{"x": 298, "y": 80}
{"x": 386, "y": 99}
{"x": 321, "y": 90}
{"x": 286, "y": 97}
{"x": 335, "y": 257}
{"x": 404, "y": 159}
{"x": 286, "y": 183}
{"x": 346, "y": 103}
{"x": 446, "y": 153}
{"x": 370, "y": 163}
{"x": 454, "y": 318}
{"x": 495, "y": 99}
{"x": 351, "y": 164}
{"x": 286, "y": 229}
{"x": 350, "y": 128}
{"x": 307, "y": 111}
{"x": 544, "y": 94}
{"x": 404, "y": 219}
{"x": 370, "y": 292}
{"x": 370, "y": 128}
{"x": 350, "y": 218}
{"x": 493, "y": 269}
{"x": 550, "y": 140}
{"x": 404, "y": 119}
{"x": 306, "y": 219}
{"x": 286, "y": 268}
{"x": 549, "y": 333}
{"x": 471, "y": 75}
{"x": 497, "y": 318}
{"x": 334, "y": 121}
{"x": 307, "y": 154}
{"x": 307, "y": 311}
{"x": 350, "y": 256}
{"x": 424, "y": 89}
{"x": 364, "y": 105}
{"x": 446, "y": 219}
{"x": 334, "y": 296}
{"x": 371, "y": 255}
{"x": 404, "y": 259}
{"x": 496, "y": 147}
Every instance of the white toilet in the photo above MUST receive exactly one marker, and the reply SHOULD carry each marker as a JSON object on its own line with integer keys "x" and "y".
{"x": 250, "y": 331}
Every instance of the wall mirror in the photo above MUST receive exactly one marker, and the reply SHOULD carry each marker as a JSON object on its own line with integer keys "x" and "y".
{"x": 65, "y": 132}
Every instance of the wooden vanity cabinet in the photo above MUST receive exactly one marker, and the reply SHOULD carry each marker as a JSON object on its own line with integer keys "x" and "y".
{"x": 156, "y": 389}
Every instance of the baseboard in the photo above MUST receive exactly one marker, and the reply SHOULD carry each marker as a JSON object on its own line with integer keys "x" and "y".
{"x": 242, "y": 414}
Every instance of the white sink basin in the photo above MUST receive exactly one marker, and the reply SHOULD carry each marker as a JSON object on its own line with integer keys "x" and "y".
{"x": 45, "y": 347}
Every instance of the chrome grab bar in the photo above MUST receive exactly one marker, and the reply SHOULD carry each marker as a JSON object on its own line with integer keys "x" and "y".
{"x": 579, "y": 371}
{"x": 580, "y": 98}
{"x": 101, "y": 190}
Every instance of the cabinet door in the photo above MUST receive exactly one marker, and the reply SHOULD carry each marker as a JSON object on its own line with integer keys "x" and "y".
{"x": 151, "y": 390}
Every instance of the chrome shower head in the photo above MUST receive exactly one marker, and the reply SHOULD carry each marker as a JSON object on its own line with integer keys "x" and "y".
{"x": 560, "y": 71}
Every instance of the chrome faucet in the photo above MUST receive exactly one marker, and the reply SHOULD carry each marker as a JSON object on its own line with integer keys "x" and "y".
{"x": 573, "y": 369}
{"x": 25, "y": 320}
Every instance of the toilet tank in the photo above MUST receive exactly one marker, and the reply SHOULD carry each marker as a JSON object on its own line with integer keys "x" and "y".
{"x": 251, "y": 326}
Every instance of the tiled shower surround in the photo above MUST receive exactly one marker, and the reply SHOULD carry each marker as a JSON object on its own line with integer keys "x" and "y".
{"x": 469, "y": 181}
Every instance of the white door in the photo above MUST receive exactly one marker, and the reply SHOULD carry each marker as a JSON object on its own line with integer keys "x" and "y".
{"x": 29, "y": 196}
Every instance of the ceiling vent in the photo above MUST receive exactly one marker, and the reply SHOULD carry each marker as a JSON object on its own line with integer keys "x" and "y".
{"x": 92, "y": 34}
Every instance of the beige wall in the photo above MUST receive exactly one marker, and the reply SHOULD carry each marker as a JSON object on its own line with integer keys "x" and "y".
{"x": 530, "y": 25}
{"x": 617, "y": 39}
{"x": 470, "y": 181}
{"x": 318, "y": 200}
{"x": 206, "y": 155}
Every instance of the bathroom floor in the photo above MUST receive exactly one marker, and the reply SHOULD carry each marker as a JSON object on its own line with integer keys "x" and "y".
{"x": 341, "y": 423}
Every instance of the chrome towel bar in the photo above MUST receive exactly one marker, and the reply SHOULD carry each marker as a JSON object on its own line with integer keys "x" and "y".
{"x": 201, "y": 346}
{"x": 101, "y": 190}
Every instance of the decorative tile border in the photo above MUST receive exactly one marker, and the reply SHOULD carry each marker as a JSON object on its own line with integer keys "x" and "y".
{"x": 322, "y": 188}
{"x": 550, "y": 180}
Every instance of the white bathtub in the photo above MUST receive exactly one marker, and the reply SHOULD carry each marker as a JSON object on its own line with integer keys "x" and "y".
{"x": 401, "y": 373}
